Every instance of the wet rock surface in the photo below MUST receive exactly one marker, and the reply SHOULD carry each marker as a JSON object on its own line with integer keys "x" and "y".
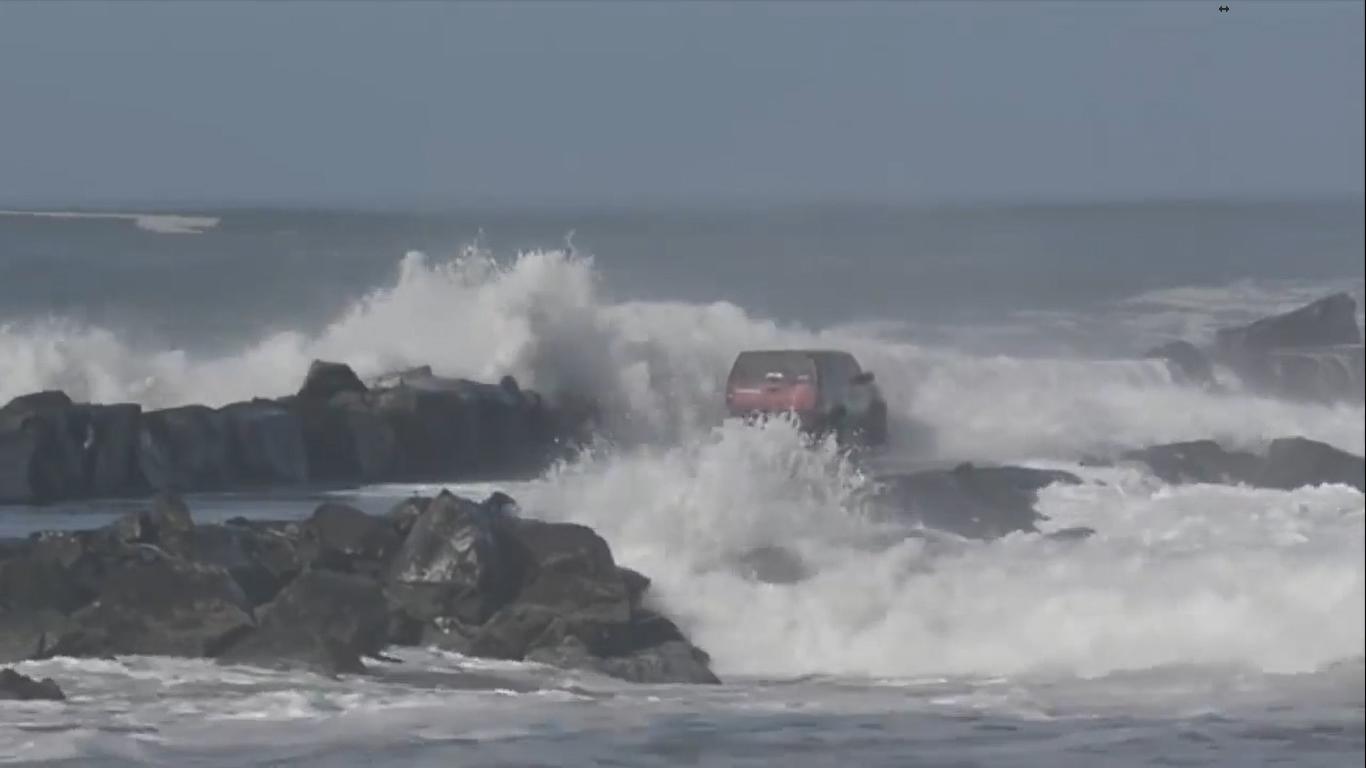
{"x": 329, "y": 592}
{"x": 335, "y": 430}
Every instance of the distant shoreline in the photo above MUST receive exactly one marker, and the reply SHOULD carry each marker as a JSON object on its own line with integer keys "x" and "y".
{"x": 201, "y": 209}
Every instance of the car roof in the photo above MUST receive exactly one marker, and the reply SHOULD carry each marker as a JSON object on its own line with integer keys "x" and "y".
{"x": 812, "y": 352}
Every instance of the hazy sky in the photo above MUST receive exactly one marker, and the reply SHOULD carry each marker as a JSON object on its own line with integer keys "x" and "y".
{"x": 445, "y": 103}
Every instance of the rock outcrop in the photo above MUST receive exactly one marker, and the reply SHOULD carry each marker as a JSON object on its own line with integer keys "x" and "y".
{"x": 977, "y": 502}
{"x": 1288, "y": 463}
{"x": 331, "y": 591}
{"x": 335, "y": 430}
{"x": 17, "y": 687}
{"x": 1313, "y": 353}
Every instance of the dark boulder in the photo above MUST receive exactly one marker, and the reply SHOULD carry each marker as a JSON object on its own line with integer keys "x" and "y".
{"x": 345, "y": 539}
{"x": 570, "y": 572}
{"x": 1199, "y": 461}
{"x": 262, "y": 559}
{"x": 14, "y": 686}
{"x": 323, "y": 620}
{"x": 150, "y": 603}
{"x": 41, "y": 449}
{"x": 326, "y": 379}
{"x": 267, "y": 443}
{"x": 977, "y": 502}
{"x": 454, "y": 563}
{"x": 186, "y": 449}
{"x": 435, "y": 430}
{"x": 670, "y": 662}
{"x": 572, "y": 588}
{"x": 53, "y": 449}
{"x": 1293, "y": 462}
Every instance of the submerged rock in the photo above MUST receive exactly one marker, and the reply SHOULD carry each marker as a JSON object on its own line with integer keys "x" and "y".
{"x": 1288, "y": 463}
{"x": 977, "y": 502}
{"x": 1199, "y": 461}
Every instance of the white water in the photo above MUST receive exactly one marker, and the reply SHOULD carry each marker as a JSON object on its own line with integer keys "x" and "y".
{"x": 1200, "y": 575}
{"x": 658, "y": 366}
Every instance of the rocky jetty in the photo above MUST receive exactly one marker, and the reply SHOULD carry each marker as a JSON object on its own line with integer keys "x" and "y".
{"x": 1313, "y": 353}
{"x": 329, "y": 592}
{"x": 334, "y": 431}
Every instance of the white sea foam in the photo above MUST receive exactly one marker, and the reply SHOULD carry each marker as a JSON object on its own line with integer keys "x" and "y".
{"x": 160, "y": 223}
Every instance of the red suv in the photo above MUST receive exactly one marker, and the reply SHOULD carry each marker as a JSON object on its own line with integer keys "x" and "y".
{"x": 825, "y": 389}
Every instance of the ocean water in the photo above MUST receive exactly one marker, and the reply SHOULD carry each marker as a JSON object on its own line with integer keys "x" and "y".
{"x": 1201, "y": 625}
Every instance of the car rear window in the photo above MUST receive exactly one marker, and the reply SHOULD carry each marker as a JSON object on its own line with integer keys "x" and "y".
{"x": 757, "y": 367}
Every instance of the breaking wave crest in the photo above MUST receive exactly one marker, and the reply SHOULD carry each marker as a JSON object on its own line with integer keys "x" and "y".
{"x": 1198, "y": 575}
{"x": 658, "y": 367}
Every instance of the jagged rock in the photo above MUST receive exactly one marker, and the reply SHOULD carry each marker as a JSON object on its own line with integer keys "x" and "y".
{"x": 1330, "y": 321}
{"x": 453, "y": 563}
{"x": 14, "y": 686}
{"x": 323, "y": 620}
{"x": 327, "y": 591}
{"x": 326, "y": 379}
{"x": 1314, "y": 352}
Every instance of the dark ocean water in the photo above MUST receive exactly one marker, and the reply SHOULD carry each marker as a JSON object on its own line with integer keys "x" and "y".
{"x": 1201, "y": 625}
{"x": 268, "y": 270}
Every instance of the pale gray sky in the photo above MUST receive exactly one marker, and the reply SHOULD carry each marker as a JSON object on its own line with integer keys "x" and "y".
{"x": 439, "y": 104}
